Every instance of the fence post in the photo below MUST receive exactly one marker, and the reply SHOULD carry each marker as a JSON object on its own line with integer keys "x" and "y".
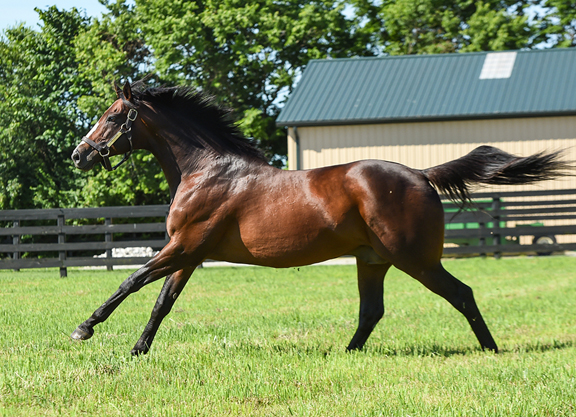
{"x": 16, "y": 241}
{"x": 496, "y": 205}
{"x": 108, "y": 238}
{"x": 61, "y": 240}
{"x": 482, "y": 239}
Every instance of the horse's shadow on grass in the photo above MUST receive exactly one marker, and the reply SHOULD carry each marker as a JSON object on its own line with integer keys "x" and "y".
{"x": 539, "y": 347}
{"x": 448, "y": 351}
{"x": 432, "y": 350}
{"x": 381, "y": 350}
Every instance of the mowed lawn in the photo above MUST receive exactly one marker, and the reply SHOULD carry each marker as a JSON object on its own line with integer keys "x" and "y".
{"x": 264, "y": 342}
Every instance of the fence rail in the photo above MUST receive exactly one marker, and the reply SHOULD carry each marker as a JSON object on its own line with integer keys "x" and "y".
{"x": 497, "y": 223}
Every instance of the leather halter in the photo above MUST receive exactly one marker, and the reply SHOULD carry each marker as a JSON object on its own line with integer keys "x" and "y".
{"x": 104, "y": 148}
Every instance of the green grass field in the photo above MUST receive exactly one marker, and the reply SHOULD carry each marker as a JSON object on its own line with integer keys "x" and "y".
{"x": 264, "y": 342}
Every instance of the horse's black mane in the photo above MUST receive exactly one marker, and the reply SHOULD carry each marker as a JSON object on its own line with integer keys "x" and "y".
{"x": 216, "y": 129}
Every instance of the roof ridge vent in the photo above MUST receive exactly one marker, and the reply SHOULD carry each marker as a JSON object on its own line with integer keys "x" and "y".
{"x": 498, "y": 65}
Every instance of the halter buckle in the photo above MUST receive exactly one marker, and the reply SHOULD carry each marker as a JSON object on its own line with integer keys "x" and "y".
{"x": 132, "y": 114}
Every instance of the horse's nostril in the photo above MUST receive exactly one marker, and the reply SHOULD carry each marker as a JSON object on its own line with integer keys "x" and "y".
{"x": 76, "y": 156}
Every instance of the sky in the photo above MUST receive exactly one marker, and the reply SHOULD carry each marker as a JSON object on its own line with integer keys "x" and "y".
{"x": 13, "y": 12}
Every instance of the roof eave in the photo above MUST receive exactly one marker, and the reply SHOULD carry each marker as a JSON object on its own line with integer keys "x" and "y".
{"x": 387, "y": 120}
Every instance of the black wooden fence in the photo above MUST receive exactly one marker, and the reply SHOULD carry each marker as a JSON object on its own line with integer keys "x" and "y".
{"x": 539, "y": 222}
{"x": 503, "y": 223}
{"x": 59, "y": 235}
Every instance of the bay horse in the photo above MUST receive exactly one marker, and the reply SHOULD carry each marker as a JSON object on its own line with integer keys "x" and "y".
{"x": 229, "y": 204}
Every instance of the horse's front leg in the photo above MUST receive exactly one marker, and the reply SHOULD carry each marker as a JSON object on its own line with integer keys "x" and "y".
{"x": 166, "y": 262}
{"x": 170, "y": 291}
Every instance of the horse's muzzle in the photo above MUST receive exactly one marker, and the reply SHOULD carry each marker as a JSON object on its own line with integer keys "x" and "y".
{"x": 83, "y": 160}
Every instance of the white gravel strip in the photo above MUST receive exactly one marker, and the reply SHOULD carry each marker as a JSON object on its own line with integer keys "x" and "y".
{"x": 148, "y": 252}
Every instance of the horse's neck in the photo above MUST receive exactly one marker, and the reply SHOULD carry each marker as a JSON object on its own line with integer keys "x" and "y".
{"x": 178, "y": 160}
{"x": 170, "y": 157}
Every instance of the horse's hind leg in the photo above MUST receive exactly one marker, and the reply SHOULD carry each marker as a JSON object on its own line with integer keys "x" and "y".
{"x": 371, "y": 288}
{"x": 170, "y": 291}
{"x": 441, "y": 282}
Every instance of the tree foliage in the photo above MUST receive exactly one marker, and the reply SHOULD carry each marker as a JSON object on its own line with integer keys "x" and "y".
{"x": 402, "y": 27}
{"x": 559, "y": 23}
{"x": 39, "y": 119}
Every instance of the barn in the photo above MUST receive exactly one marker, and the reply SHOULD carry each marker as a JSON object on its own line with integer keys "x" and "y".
{"x": 424, "y": 110}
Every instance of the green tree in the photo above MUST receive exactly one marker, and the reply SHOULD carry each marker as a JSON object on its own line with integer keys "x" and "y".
{"x": 403, "y": 27}
{"x": 112, "y": 48}
{"x": 490, "y": 29}
{"x": 39, "y": 122}
{"x": 559, "y": 23}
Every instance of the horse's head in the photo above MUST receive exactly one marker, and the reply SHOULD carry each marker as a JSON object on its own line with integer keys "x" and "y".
{"x": 111, "y": 135}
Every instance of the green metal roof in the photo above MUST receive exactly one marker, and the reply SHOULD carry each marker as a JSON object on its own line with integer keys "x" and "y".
{"x": 434, "y": 87}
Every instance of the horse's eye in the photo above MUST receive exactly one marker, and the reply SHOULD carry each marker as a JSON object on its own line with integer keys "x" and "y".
{"x": 112, "y": 119}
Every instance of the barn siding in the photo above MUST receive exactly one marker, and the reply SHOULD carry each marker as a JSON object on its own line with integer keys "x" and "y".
{"x": 424, "y": 144}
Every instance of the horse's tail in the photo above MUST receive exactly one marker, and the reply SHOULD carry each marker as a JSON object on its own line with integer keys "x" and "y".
{"x": 489, "y": 165}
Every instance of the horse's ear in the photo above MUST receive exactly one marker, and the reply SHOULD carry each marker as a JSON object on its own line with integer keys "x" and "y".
{"x": 127, "y": 91}
{"x": 118, "y": 90}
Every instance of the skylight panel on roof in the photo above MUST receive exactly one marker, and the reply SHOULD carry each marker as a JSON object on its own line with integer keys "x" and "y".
{"x": 498, "y": 65}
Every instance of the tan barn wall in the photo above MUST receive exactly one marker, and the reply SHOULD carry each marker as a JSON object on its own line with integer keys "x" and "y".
{"x": 425, "y": 144}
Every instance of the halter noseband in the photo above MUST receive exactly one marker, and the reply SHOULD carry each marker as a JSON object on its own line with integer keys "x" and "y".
{"x": 104, "y": 148}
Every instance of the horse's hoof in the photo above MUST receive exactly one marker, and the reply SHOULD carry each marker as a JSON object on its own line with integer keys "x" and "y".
{"x": 82, "y": 334}
{"x": 138, "y": 352}
{"x": 140, "y": 349}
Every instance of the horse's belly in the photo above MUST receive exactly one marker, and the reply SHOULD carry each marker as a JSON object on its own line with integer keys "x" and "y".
{"x": 278, "y": 256}
{"x": 301, "y": 241}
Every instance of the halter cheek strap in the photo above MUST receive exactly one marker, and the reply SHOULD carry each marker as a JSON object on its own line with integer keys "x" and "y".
{"x": 104, "y": 148}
